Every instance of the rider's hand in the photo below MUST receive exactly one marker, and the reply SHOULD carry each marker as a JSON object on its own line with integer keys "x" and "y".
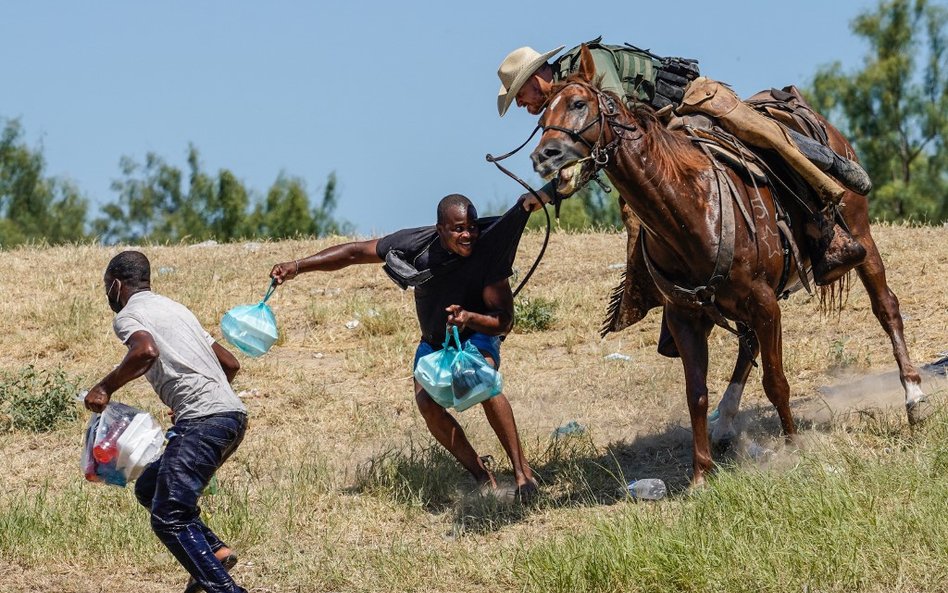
{"x": 531, "y": 204}
{"x": 285, "y": 271}
{"x": 97, "y": 398}
{"x": 457, "y": 316}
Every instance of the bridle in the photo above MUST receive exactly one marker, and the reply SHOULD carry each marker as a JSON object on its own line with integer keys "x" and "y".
{"x": 598, "y": 153}
{"x": 607, "y": 116}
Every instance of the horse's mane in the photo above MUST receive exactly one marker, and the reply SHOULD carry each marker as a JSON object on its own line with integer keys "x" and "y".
{"x": 675, "y": 156}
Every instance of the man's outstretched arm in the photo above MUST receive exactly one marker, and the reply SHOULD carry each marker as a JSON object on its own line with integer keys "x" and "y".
{"x": 329, "y": 259}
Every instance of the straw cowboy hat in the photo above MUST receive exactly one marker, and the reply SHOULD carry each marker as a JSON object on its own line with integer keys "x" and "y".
{"x": 515, "y": 70}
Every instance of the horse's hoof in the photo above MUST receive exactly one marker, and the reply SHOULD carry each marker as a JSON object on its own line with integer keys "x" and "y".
{"x": 919, "y": 411}
{"x": 697, "y": 487}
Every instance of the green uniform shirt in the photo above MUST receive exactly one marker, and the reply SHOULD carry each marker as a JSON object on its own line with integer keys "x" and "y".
{"x": 622, "y": 70}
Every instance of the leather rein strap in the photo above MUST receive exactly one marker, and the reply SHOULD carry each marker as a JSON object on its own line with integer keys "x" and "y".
{"x": 556, "y": 204}
{"x": 703, "y": 296}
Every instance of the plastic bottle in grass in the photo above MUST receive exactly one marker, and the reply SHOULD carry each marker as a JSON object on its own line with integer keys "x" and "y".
{"x": 647, "y": 489}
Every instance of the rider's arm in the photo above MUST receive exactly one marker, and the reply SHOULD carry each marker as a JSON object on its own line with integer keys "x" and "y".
{"x": 329, "y": 259}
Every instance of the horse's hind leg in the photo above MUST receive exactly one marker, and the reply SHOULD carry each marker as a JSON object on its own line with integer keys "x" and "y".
{"x": 723, "y": 431}
{"x": 885, "y": 306}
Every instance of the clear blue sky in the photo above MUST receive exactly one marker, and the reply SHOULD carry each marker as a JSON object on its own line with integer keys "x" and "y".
{"x": 398, "y": 98}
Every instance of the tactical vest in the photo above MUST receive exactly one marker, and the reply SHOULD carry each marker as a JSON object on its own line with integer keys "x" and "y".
{"x": 646, "y": 77}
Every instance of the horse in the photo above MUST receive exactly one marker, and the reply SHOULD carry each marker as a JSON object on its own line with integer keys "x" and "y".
{"x": 713, "y": 261}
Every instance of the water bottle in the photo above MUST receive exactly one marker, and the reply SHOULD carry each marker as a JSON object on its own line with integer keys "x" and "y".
{"x": 107, "y": 449}
{"x": 647, "y": 489}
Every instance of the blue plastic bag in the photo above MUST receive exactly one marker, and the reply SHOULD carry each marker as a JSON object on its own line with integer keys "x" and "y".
{"x": 458, "y": 376}
{"x": 252, "y": 329}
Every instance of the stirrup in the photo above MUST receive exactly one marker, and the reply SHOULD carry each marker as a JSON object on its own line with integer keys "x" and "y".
{"x": 842, "y": 255}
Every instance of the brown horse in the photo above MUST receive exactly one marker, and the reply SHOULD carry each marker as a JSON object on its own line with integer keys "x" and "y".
{"x": 711, "y": 259}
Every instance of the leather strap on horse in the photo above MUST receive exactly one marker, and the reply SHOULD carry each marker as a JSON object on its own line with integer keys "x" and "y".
{"x": 703, "y": 296}
{"x": 556, "y": 204}
{"x": 706, "y": 138}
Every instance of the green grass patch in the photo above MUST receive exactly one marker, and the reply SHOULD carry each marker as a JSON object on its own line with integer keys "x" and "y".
{"x": 37, "y": 400}
{"x": 842, "y": 518}
{"x": 424, "y": 476}
{"x": 534, "y": 314}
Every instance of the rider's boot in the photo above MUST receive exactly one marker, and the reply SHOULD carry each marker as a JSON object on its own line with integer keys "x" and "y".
{"x": 835, "y": 251}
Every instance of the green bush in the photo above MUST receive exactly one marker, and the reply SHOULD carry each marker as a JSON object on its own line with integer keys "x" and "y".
{"x": 534, "y": 314}
{"x": 36, "y": 400}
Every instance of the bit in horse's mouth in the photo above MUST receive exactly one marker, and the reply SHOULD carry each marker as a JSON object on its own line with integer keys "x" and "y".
{"x": 573, "y": 176}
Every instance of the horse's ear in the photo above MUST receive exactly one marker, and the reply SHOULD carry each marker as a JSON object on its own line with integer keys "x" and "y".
{"x": 587, "y": 67}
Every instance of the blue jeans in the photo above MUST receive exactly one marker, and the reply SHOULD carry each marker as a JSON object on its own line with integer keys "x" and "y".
{"x": 488, "y": 346}
{"x": 170, "y": 488}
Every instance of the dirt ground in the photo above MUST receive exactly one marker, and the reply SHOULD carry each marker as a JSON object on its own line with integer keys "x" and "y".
{"x": 340, "y": 398}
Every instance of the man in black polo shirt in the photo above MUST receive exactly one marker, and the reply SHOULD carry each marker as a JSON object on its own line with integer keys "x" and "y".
{"x": 460, "y": 270}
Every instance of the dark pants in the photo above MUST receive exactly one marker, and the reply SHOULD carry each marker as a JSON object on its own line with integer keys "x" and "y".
{"x": 170, "y": 488}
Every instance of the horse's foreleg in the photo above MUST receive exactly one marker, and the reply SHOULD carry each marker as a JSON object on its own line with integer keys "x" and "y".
{"x": 885, "y": 306}
{"x": 768, "y": 327}
{"x": 691, "y": 338}
{"x": 723, "y": 431}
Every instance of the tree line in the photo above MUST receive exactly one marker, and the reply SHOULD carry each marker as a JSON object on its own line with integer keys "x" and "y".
{"x": 156, "y": 202}
{"x": 894, "y": 110}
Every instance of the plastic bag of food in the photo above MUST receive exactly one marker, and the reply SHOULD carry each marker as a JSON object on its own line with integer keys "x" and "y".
{"x": 457, "y": 376}
{"x": 473, "y": 380}
{"x": 119, "y": 443}
{"x": 252, "y": 329}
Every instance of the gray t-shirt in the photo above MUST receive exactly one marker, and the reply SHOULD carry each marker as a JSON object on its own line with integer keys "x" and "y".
{"x": 187, "y": 375}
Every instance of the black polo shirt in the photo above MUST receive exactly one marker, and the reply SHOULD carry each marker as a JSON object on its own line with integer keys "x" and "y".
{"x": 457, "y": 280}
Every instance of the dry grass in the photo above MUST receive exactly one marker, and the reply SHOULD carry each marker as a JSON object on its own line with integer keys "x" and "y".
{"x": 337, "y": 486}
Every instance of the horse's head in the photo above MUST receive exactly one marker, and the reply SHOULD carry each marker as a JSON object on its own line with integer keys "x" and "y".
{"x": 576, "y": 137}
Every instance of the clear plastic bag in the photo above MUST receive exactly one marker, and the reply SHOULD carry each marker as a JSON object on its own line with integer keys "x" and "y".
{"x": 458, "y": 376}
{"x": 119, "y": 443}
{"x": 433, "y": 372}
{"x": 252, "y": 329}
{"x": 473, "y": 380}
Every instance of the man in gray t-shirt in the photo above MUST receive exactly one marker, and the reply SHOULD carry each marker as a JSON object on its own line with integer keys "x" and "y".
{"x": 187, "y": 375}
{"x": 191, "y": 373}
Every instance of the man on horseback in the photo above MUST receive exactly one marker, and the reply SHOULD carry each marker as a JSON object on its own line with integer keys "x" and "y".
{"x": 526, "y": 76}
{"x": 669, "y": 84}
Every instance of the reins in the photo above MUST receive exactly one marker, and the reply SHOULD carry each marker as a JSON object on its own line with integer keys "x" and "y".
{"x": 600, "y": 156}
{"x": 549, "y": 224}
